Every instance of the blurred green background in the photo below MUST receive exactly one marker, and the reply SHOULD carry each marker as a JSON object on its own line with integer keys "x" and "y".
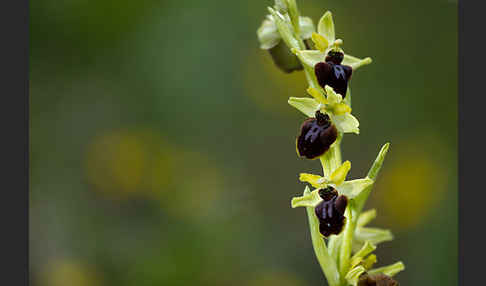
{"x": 162, "y": 144}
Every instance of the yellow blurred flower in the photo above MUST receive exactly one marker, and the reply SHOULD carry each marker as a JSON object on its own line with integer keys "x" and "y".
{"x": 141, "y": 164}
{"x": 62, "y": 272}
{"x": 411, "y": 186}
{"x": 126, "y": 164}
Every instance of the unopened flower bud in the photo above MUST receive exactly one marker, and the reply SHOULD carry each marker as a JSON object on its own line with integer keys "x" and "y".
{"x": 271, "y": 40}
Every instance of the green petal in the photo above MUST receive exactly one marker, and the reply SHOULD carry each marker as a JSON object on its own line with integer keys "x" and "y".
{"x": 353, "y": 188}
{"x": 326, "y": 27}
{"x": 339, "y": 175}
{"x": 367, "y": 248}
{"x": 311, "y": 199}
{"x": 389, "y": 270}
{"x": 366, "y": 217}
{"x": 268, "y": 36}
{"x": 352, "y": 277}
{"x": 355, "y": 63}
{"x": 310, "y": 57}
{"x": 345, "y": 123}
{"x": 373, "y": 235}
{"x": 306, "y": 105}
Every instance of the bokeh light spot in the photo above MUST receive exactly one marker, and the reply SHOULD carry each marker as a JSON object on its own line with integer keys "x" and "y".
{"x": 410, "y": 187}
{"x": 62, "y": 272}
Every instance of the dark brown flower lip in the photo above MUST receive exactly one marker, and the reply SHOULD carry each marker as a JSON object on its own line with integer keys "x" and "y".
{"x": 316, "y": 136}
{"x": 335, "y": 75}
{"x": 330, "y": 211}
{"x": 322, "y": 118}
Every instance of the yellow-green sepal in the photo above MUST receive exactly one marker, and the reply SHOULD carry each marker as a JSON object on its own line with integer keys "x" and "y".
{"x": 309, "y": 199}
{"x": 306, "y": 105}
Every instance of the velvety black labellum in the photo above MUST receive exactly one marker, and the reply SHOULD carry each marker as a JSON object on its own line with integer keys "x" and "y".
{"x": 334, "y": 75}
{"x": 376, "y": 280}
{"x": 330, "y": 212}
{"x": 316, "y": 136}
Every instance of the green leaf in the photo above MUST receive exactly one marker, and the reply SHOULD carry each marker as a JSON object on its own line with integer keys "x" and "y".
{"x": 326, "y": 27}
{"x": 354, "y": 62}
{"x": 372, "y": 174}
{"x": 306, "y": 105}
{"x": 345, "y": 123}
{"x": 375, "y": 168}
{"x": 311, "y": 199}
{"x": 389, "y": 270}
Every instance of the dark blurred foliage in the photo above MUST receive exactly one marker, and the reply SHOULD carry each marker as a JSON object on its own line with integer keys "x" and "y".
{"x": 162, "y": 145}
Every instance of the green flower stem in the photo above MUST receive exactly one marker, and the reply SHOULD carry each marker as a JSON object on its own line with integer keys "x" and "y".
{"x": 346, "y": 245}
{"x": 326, "y": 262}
{"x": 334, "y": 257}
{"x": 330, "y": 161}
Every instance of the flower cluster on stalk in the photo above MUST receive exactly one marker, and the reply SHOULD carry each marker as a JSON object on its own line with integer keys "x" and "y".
{"x": 342, "y": 241}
